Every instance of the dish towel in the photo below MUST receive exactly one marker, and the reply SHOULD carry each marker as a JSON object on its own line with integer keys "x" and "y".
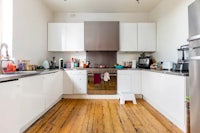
{"x": 97, "y": 78}
{"x": 106, "y": 76}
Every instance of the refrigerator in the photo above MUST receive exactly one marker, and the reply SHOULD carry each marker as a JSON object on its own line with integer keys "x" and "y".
{"x": 194, "y": 66}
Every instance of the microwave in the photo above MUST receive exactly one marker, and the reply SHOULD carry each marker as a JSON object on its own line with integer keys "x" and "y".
{"x": 144, "y": 62}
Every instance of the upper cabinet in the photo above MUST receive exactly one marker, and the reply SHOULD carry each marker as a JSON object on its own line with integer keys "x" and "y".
{"x": 128, "y": 37}
{"x": 137, "y": 37}
{"x": 56, "y": 37}
{"x": 146, "y": 37}
{"x": 66, "y": 37}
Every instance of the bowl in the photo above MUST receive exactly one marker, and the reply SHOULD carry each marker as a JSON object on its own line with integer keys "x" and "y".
{"x": 119, "y": 67}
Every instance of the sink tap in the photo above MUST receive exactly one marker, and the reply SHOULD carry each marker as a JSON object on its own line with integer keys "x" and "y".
{"x": 6, "y": 58}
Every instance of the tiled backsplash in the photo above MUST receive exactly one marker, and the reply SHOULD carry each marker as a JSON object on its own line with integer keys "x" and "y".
{"x": 121, "y": 56}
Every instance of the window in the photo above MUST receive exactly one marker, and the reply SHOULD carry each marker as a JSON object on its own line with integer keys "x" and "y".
{"x": 7, "y": 24}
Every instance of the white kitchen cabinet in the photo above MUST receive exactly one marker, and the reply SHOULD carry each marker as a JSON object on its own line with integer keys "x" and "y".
{"x": 129, "y": 80}
{"x": 75, "y": 82}
{"x": 80, "y": 84}
{"x": 146, "y": 37}
{"x": 167, "y": 94}
{"x": 9, "y": 103}
{"x": 66, "y": 37}
{"x": 59, "y": 84}
{"x": 56, "y": 37}
{"x": 68, "y": 82}
{"x": 49, "y": 89}
{"x": 128, "y": 37}
{"x": 32, "y": 99}
{"x": 74, "y": 36}
{"x": 52, "y": 88}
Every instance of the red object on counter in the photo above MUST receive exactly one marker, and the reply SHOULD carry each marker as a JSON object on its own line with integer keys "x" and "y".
{"x": 10, "y": 67}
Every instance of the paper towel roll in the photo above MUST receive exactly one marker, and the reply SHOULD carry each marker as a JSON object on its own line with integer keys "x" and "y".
{"x": 133, "y": 63}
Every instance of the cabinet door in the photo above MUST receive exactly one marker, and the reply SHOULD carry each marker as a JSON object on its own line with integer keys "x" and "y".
{"x": 124, "y": 81}
{"x": 49, "y": 89}
{"x": 146, "y": 37}
{"x": 136, "y": 81}
{"x": 9, "y": 103}
{"x": 56, "y": 37}
{"x": 67, "y": 82}
{"x": 32, "y": 98}
{"x": 59, "y": 83}
{"x": 80, "y": 84}
{"x": 128, "y": 37}
{"x": 166, "y": 93}
{"x": 75, "y": 37}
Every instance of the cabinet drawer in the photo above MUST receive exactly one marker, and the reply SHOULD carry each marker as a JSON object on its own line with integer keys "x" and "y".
{"x": 77, "y": 72}
{"x": 122, "y": 72}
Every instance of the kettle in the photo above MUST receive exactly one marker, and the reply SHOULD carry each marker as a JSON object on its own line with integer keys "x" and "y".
{"x": 61, "y": 63}
{"x": 46, "y": 64}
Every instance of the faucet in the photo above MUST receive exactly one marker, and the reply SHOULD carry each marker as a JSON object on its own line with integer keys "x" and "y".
{"x": 7, "y": 56}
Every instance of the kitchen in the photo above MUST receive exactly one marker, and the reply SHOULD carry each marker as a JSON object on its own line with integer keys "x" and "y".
{"x": 30, "y": 41}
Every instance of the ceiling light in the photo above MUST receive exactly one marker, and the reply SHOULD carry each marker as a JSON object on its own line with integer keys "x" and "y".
{"x": 138, "y": 1}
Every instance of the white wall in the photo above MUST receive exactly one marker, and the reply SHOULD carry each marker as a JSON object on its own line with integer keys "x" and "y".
{"x": 30, "y": 30}
{"x": 81, "y": 17}
{"x": 172, "y": 28}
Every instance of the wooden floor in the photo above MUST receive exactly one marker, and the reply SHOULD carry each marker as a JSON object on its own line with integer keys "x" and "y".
{"x": 102, "y": 116}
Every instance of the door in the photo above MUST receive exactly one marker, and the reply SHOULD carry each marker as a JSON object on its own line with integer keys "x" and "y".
{"x": 32, "y": 99}
{"x": 194, "y": 71}
{"x": 9, "y": 103}
{"x": 67, "y": 82}
{"x": 136, "y": 82}
{"x": 194, "y": 19}
{"x": 124, "y": 81}
{"x": 80, "y": 84}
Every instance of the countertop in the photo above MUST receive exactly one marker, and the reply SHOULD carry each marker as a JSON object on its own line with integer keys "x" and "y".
{"x": 160, "y": 71}
{"x": 21, "y": 74}
{"x": 151, "y": 70}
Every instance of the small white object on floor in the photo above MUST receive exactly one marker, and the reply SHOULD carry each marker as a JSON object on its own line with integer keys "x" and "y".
{"x": 106, "y": 76}
{"x": 127, "y": 96}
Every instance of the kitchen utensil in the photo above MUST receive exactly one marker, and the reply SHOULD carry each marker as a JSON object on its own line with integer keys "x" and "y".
{"x": 46, "y": 64}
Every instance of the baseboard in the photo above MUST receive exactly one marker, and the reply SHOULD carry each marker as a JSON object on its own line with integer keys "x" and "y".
{"x": 86, "y": 96}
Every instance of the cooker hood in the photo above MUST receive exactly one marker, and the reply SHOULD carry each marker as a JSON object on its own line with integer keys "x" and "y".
{"x": 101, "y": 35}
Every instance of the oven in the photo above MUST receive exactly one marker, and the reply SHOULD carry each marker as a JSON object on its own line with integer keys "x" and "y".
{"x": 98, "y": 82}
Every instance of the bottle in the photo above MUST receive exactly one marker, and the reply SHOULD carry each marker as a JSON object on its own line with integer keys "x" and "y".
{"x": 61, "y": 63}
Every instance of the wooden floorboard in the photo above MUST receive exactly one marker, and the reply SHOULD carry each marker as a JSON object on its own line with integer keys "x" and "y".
{"x": 102, "y": 116}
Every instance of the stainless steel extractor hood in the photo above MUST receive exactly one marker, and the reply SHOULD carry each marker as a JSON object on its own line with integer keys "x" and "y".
{"x": 101, "y": 36}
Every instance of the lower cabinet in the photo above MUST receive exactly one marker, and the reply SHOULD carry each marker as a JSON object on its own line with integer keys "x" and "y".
{"x": 75, "y": 82}
{"x": 23, "y": 101}
{"x": 167, "y": 94}
{"x": 52, "y": 88}
{"x": 32, "y": 101}
{"x": 129, "y": 80}
{"x": 9, "y": 103}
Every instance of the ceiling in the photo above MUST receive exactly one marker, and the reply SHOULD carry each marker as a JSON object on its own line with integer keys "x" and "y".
{"x": 101, "y": 6}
